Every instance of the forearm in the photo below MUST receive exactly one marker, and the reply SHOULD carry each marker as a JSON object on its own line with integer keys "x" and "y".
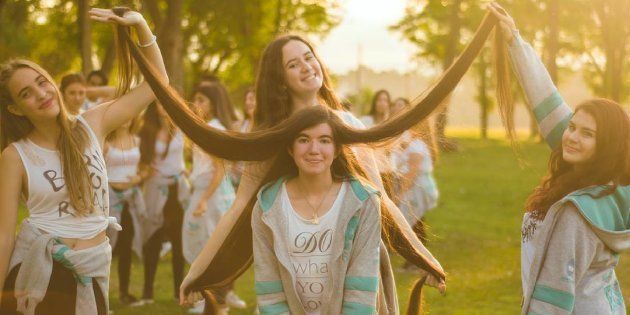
{"x": 246, "y": 190}
{"x": 217, "y": 177}
{"x": 550, "y": 110}
{"x": 6, "y": 244}
{"x": 105, "y": 92}
{"x": 152, "y": 52}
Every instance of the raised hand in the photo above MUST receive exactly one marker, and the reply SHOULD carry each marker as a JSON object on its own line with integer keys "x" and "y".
{"x": 506, "y": 22}
{"x": 129, "y": 18}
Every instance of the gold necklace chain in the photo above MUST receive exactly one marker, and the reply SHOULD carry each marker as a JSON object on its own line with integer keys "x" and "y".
{"x": 314, "y": 219}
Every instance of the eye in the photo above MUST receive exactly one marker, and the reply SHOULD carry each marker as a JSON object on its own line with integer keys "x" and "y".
{"x": 309, "y": 57}
{"x": 25, "y": 94}
{"x": 588, "y": 134}
{"x": 292, "y": 65}
{"x": 326, "y": 141}
{"x": 302, "y": 140}
{"x": 571, "y": 127}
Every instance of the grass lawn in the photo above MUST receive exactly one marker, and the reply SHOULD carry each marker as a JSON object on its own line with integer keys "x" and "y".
{"x": 475, "y": 236}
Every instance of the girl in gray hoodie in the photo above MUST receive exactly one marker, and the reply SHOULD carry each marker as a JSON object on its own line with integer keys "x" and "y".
{"x": 317, "y": 229}
{"x": 577, "y": 220}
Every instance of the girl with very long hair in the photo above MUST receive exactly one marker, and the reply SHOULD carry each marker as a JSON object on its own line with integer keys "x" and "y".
{"x": 60, "y": 260}
{"x": 577, "y": 219}
{"x": 294, "y": 79}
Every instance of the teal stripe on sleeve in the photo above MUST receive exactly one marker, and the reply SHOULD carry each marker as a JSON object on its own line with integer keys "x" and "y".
{"x": 554, "y": 138}
{"x": 357, "y": 308}
{"x": 547, "y": 106}
{"x": 368, "y": 284}
{"x": 268, "y": 287}
{"x": 559, "y": 298}
{"x": 273, "y": 309}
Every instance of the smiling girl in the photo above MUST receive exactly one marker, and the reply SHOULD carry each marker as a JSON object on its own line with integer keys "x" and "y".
{"x": 577, "y": 220}
{"x": 54, "y": 163}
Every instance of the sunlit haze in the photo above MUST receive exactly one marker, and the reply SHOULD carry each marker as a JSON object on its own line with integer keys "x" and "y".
{"x": 363, "y": 34}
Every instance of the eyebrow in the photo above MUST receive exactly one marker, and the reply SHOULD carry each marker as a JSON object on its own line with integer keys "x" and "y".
{"x": 304, "y": 54}
{"x": 27, "y": 87}
{"x": 586, "y": 128}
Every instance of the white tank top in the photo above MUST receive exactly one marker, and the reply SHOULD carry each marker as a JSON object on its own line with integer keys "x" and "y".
{"x": 202, "y": 162}
{"x": 173, "y": 163}
{"x": 122, "y": 164}
{"x": 48, "y": 202}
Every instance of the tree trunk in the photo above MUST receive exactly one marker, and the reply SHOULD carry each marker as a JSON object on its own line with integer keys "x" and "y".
{"x": 441, "y": 121}
{"x": 85, "y": 36}
{"x": 171, "y": 43}
{"x": 482, "y": 96}
{"x": 108, "y": 59}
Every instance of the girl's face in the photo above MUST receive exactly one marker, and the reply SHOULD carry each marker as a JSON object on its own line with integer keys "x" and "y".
{"x": 578, "y": 140}
{"x": 314, "y": 150}
{"x": 382, "y": 104}
{"x": 203, "y": 103}
{"x": 302, "y": 71}
{"x": 74, "y": 96}
{"x": 398, "y": 106}
{"x": 250, "y": 104}
{"x": 34, "y": 96}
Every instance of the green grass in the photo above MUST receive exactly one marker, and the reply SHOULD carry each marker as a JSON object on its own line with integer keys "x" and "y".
{"x": 475, "y": 236}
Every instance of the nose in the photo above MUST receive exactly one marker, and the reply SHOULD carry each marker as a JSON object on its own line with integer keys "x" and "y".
{"x": 313, "y": 148}
{"x": 572, "y": 136}
{"x": 306, "y": 67}
{"x": 40, "y": 93}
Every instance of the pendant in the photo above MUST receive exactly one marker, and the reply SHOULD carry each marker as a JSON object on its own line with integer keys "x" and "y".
{"x": 314, "y": 220}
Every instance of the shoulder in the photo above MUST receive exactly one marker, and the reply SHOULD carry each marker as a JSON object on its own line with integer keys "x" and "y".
{"x": 216, "y": 124}
{"x": 570, "y": 220}
{"x": 10, "y": 154}
{"x": 9, "y": 159}
{"x": 350, "y": 119}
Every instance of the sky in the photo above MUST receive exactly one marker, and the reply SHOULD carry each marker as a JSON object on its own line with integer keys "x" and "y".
{"x": 364, "y": 32}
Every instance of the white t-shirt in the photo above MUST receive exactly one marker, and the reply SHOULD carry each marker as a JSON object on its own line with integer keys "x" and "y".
{"x": 310, "y": 251}
{"x": 202, "y": 162}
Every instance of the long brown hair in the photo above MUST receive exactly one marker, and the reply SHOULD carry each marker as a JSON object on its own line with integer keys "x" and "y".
{"x": 221, "y": 106}
{"x": 259, "y": 145}
{"x": 375, "y": 100}
{"x": 152, "y": 123}
{"x": 609, "y": 164}
{"x": 72, "y": 142}
{"x": 273, "y": 103}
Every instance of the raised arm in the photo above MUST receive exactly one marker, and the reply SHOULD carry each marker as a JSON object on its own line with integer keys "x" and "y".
{"x": 107, "y": 117}
{"x": 11, "y": 183}
{"x": 551, "y": 111}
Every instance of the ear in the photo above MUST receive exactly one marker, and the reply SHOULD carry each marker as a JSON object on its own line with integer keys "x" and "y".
{"x": 290, "y": 151}
{"x": 15, "y": 110}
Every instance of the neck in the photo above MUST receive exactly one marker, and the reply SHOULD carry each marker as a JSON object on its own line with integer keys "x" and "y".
{"x": 378, "y": 117}
{"x": 303, "y": 101}
{"x": 315, "y": 184}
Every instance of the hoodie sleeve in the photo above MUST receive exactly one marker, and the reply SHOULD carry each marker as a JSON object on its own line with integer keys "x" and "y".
{"x": 361, "y": 281}
{"x": 571, "y": 248}
{"x": 268, "y": 284}
{"x": 551, "y": 111}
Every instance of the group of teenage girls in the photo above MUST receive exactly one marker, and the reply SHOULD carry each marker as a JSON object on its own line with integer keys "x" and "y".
{"x": 311, "y": 211}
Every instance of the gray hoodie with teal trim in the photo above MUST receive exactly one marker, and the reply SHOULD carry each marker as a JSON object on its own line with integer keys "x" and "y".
{"x": 354, "y": 287}
{"x": 576, "y": 246}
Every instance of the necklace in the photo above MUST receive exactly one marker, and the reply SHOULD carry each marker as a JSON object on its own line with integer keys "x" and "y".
{"x": 314, "y": 219}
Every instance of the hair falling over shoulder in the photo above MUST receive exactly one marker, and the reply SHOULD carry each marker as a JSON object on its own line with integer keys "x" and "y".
{"x": 264, "y": 144}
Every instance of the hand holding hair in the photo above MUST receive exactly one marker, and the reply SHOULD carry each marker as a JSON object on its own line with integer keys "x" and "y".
{"x": 506, "y": 22}
{"x": 128, "y": 18}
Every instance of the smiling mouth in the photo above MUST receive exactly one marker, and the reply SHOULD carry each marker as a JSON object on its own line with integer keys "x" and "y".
{"x": 571, "y": 149}
{"x": 310, "y": 77}
{"x": 46, "y": 104}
